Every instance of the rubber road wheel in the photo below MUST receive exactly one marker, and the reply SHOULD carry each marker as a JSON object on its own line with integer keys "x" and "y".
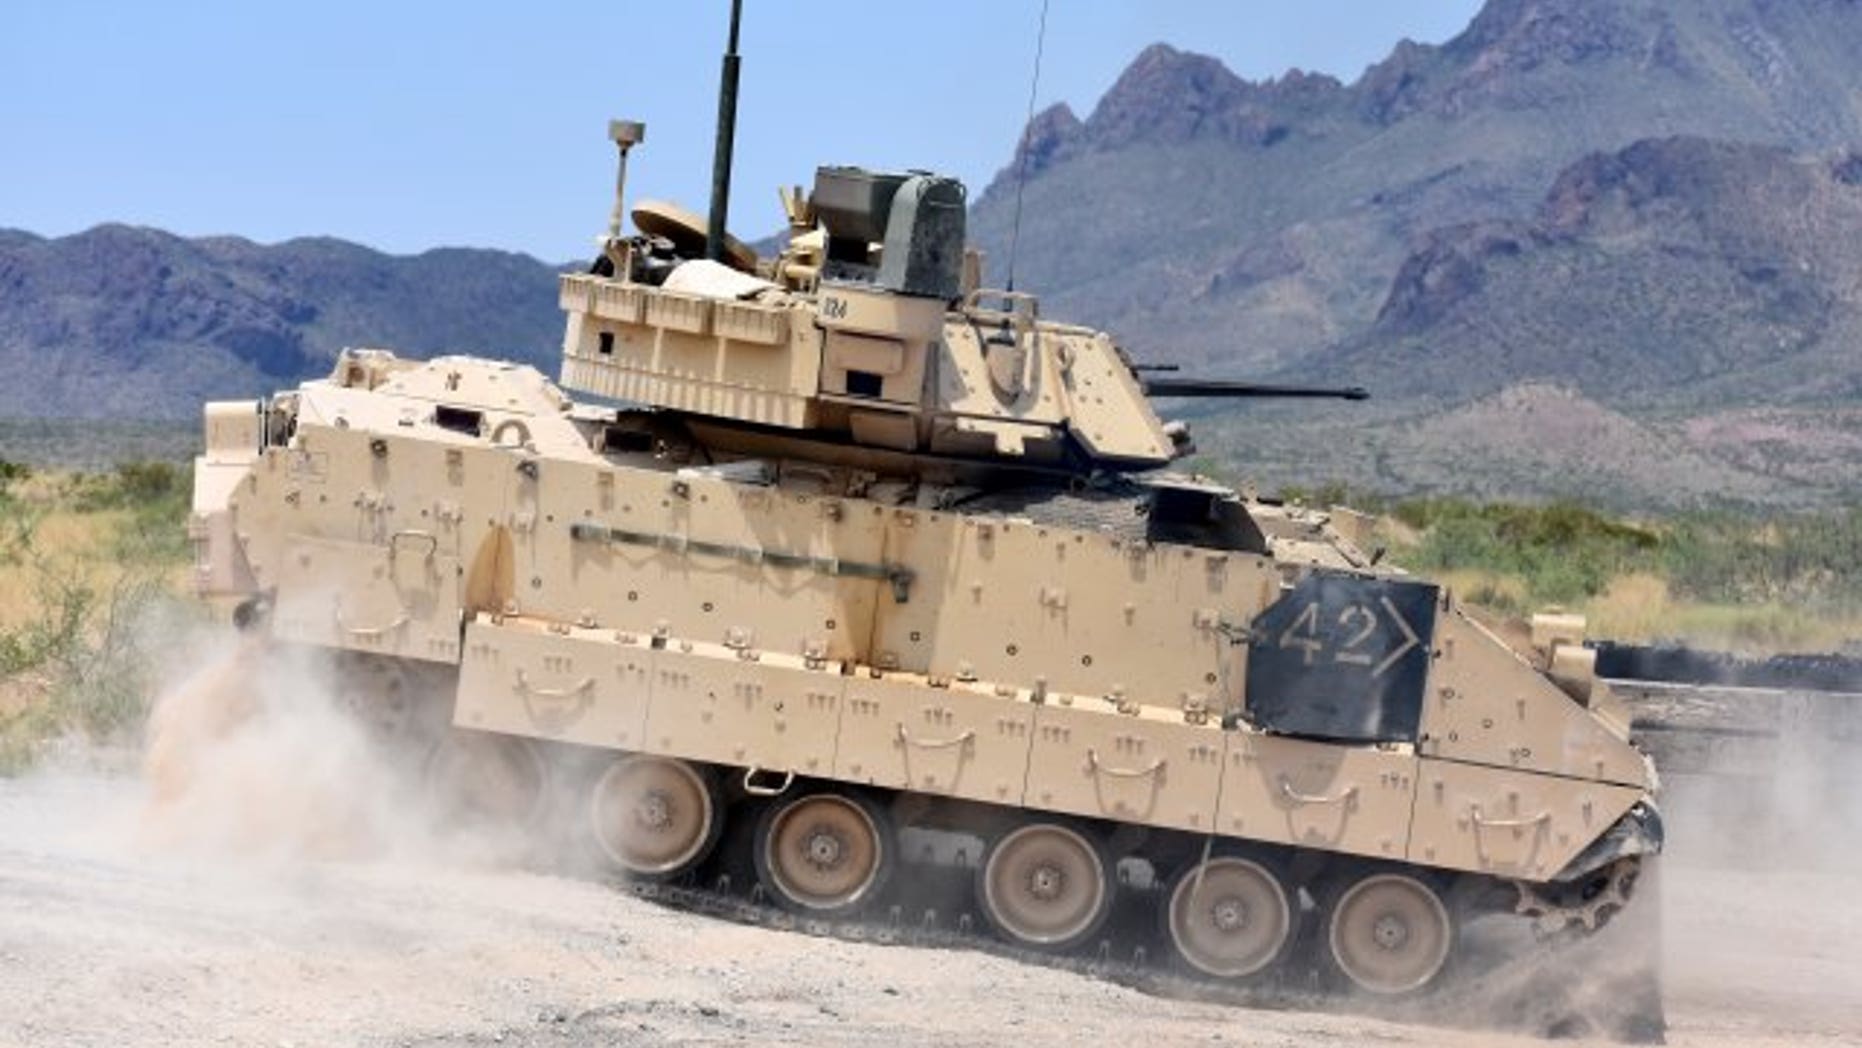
{"x": 488, "y": 780}
{"x": 825, "y": 852}
{"x": 1389, "y": 934}
{"x": 1046, "y": 885}
{"x": 1231, "y": 917}
{"x": 654, "y": 817}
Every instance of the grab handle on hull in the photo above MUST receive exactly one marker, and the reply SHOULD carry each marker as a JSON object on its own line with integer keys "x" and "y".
{"x": 1481, "y": 822}
{"x": 934, "y": 744}
{"x": 1093, "y": 765}
{"x": 756, "y": 789}
{"x": 367, "y": 631}
{"x": 524, "y": 685}
{"x": 1344, "y": 796}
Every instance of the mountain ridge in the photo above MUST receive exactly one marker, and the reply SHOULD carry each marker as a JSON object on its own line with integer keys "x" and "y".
{"x": 130, "y": 320}
{"x": 1647, "y": 271}
{"x": 1338, "y": 179}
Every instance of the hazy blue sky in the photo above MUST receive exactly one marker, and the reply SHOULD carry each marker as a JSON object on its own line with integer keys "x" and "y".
{"x": 412, "y": 125}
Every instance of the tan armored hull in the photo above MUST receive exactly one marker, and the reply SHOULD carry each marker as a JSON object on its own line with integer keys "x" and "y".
{"x": 790, "y": 623}
{"x": 873, "y": 549}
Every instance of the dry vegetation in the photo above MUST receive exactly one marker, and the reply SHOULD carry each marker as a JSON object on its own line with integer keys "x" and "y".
{"x": 90, "y": 569}
{"x": 1757, "y": 584}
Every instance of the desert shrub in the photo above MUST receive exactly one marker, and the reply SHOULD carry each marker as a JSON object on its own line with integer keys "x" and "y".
{"x": 129, "y": 486}
{"x": 97, "y": 593}
{"x": 1806, "y": 558}
{"x": 90, "y": 652}
{"x": 1733, "y": 579}
{"x": 11, "y": 473}
{"x": 154, "y": 495}
{"x": 1562, "y": 551}
{"x": 18, "y": 524}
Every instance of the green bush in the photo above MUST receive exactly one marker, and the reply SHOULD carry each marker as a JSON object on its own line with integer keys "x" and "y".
{"x": 1809, "y": 559}
{"x": 18, "y": 523}
{"x": 92, "y": 652}
{"x": 131, "y": 485}
{"x": 88, "y": 653}
{"x": 155, "y": 494}
{"x": 1565, "y": 552}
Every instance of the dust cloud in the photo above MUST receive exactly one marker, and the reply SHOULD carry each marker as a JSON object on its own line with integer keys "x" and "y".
{"x": 272, "y": 752}
{"x": 1763, "y": 890}
{"x": 1751, "y": 920}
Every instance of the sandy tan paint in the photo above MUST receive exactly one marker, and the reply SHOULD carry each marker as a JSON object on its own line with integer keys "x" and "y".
{"x": 1021, "y": 664}
{"x": 820, "y": 614}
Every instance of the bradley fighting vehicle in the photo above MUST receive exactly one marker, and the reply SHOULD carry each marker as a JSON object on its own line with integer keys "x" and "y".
{"x": 843, "y": 542}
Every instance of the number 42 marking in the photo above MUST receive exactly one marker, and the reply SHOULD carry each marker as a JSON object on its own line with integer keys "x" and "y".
{"x": 1361, "y": 621}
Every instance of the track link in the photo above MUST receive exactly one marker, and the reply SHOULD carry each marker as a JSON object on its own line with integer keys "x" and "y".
{"x": 1487, "y": 985}
{"x": 1500, "y": 974}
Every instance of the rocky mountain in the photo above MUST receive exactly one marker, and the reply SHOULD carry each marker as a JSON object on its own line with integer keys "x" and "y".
{"x": 1246, "y": 224}
{"x": 1676, "y": 272}
{"x": 1652, "y": 206}
{"x": 120, "y": 321}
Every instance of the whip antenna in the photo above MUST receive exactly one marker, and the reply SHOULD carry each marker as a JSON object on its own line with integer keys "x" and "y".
{"x": 1021, "y": 166}
{"x": 721, "y": 157}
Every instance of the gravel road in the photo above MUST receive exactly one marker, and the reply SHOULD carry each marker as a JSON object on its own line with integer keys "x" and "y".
{"x": 110, "y": 936}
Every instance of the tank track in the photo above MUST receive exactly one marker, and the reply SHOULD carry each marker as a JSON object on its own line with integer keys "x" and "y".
{"x": 1485, "y": 987}
{"x": 1528, "y": 978}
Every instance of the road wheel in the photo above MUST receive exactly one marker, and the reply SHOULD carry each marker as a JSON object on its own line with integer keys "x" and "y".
{"x": 376, "y": 692}
{"x": 824, "y": 853}
{"x": 654, "y": 817}
{"x": 1231, "y": 917}
{"x": 1389, "y": 934}
{"x": 485, "y": 780}
{"x": 1046, "y": 885}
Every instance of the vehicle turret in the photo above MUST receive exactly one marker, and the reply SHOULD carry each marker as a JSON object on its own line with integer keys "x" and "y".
{"x": 870, "y": 330}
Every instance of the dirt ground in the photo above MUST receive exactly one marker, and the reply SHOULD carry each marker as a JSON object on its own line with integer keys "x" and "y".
{"x": 107, "y": 938}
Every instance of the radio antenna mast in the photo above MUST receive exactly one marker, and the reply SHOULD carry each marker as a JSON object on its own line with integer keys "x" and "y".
{"x": 727, "y": 128}
{"x": 1021, "y": 166}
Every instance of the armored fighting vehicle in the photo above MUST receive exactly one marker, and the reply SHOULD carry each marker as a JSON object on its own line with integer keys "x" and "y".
{"x": 842, "y": 542}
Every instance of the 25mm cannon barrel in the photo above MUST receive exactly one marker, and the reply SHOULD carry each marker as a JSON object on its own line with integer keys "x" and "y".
{"x": 1194, "y": 387}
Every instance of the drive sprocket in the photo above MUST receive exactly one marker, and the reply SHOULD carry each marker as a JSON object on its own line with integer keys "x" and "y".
{"x": 1580, "y": 906}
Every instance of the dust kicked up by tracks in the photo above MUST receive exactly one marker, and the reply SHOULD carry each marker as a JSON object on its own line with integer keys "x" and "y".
{"x": 253, "y": 753}
{"x": 255, "y": 887}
